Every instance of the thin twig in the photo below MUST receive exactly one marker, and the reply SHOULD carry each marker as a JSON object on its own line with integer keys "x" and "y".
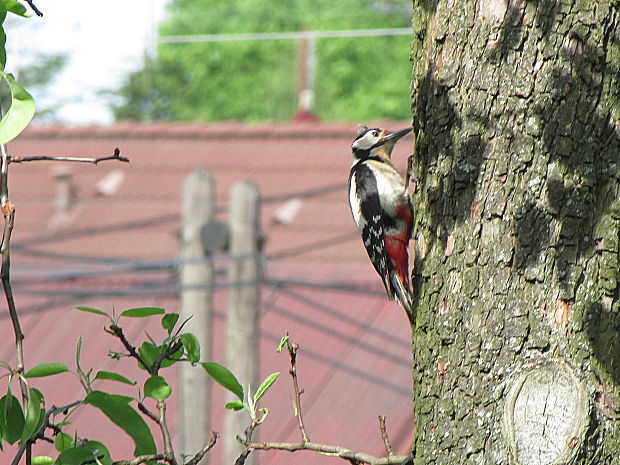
{"x": 248, "y": 440}
{"x": 199, "y": 455}
{"x": 292, "y": 350}
{"x": 41, "y": 433}
{"x": 336, "y": 451}
{"x": 384, "y": 436}
{"x": 147, "y": 412}
{"x": 34, "y": 8}
{"x": 116, "y": 156}
{"x": 8, "y": 211}
{"x": 118, "y": 332}
{"x": 163, "y": 424}
{"x": 140, "y": 459}
{"x": 172, "y": 349}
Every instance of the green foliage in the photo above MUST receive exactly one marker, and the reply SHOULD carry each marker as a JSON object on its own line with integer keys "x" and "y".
{"x": 63, "y": 442}
{"x": 157, "y": 388}
{"x": 118, "y": 410}
{"x": 113, "y": 376}
{"x": 192, "y": 347}
{"x": 224, "y": 377}
{"x": 143, "y": 312}
{"x": 88, "y": 452}
{"x": 168, "y": 322}
{"x": 46, "y": 369}
{"x": 265, "y": 386}
{"x": 357, "y": 78}
{"x": 20, "y": 112}
{"x": 11, "y": 418}
{"x": 35, "y": 414}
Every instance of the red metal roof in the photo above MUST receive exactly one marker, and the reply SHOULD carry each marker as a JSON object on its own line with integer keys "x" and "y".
{"x": 119, "y": 251}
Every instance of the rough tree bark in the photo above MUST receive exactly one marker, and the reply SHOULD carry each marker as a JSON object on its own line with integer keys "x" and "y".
{"x": 516, "y": 105}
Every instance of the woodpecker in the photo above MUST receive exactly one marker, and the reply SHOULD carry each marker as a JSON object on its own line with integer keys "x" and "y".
{"x": 382, "y": 210}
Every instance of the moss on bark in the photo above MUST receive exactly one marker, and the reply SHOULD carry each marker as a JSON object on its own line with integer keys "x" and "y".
{"x": 517, "y": 110}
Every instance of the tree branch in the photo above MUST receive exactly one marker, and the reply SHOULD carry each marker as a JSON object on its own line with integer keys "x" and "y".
{"x": 147, "y": 412}
{"x": 353, "y": 456}
{"x": 34, "y": 8}
{"x": 336, "y": 451}
{"x": 386, "y": 440}
{"x": 116, "y": 156}
{"x": 168, "y": 450}
{"x": 41, "y": 433}
{"x": 199, "y": 455}
{"x": 118, "y": 332}
{"x": 173, "y": 348}
{"x": 140, "y": 459}
{"x": 292, "y": 350}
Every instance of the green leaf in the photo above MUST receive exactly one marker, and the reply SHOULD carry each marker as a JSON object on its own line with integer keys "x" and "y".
{"x": 263, "y": 388}
{"x": 118, "y": 410}
{"x": 93, "y": 310}
{"x": 14, "y": 7}
{"x": 2, "y": 43}
{"x": 76, "y": 456}
{"x": 168, "y": 321}
{"x": 192, "y": 347}
{"x": 46, "y": 369}
{"x": 20, "y": 112}
{"x": 157, "y": 388}
{"x": 143, "y": 312}
{"x": 78, "y": 351}
{"x": 33, "y": 414}
{"x": 283, "y": 342}
{"x": 100, "y": 451}
{"x": 12, "y": 418}
{"x": 63, "y": 441}
{"x": 235, "y": 405}
{"x": 114, "y": 377}
{"x": 223, "y": 376}
{"x": 149, "y": 353}
{"x": 42, "y": 460}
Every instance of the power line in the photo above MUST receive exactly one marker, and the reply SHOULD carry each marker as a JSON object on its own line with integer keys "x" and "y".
{"x": 399, "y": 31}
{"x": 159, "y": 220}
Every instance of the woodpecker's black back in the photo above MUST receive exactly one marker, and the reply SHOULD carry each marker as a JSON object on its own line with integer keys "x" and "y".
{"x": 371, "y": 212}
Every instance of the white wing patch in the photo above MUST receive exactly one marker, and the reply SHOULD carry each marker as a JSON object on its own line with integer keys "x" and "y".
{"x": 355, "y": 204}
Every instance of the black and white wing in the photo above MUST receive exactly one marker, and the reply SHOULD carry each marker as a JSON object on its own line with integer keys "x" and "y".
{"x": 368, "y": 215}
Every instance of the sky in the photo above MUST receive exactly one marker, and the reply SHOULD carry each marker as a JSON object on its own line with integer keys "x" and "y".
{"x": 104, "y": 42}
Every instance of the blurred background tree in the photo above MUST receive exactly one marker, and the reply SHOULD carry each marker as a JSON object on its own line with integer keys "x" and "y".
{"x": 357, "y": 79}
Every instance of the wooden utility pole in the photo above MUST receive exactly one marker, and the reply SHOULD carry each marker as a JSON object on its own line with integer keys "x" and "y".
{"x": 196, "y": 278}
{"x": 244, "y": 274}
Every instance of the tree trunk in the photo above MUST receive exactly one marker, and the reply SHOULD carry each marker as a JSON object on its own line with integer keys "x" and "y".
{"x": 517, "y": 345}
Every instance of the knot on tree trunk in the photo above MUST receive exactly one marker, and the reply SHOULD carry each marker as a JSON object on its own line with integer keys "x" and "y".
{"x": 545, "y": 415}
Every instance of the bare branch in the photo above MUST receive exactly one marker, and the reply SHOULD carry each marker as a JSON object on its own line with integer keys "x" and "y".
{"x": 147, "y": 412}
{"x": 336, "y": 451}
{"x": 8, "y": 211}
{"x": 386, "y": 440}
{"x": 292, "y": 350}
{"x": 168, "y": 450}
{"x": 173, "y": 348}
{"x": 116, "y": 156}
{"x": 118, "y": 332}
{"x": 199, "y": 455}
{"x": 53, "y": 410}
{"x": 140, "y": 459}
{"x": 34, "y": 8}
{"x": 248, "y": 439}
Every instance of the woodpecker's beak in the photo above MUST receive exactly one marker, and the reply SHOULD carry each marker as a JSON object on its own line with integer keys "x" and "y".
{"x": 396, "y": 135}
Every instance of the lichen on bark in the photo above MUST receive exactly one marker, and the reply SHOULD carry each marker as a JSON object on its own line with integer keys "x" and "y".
{"x": 516, "y": 105}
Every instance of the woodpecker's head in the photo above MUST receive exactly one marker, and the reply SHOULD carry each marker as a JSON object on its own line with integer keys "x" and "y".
{"x": 376, "y": 142}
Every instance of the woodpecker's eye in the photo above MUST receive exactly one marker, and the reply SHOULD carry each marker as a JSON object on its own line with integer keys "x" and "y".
{"x": 375, "y": 134}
